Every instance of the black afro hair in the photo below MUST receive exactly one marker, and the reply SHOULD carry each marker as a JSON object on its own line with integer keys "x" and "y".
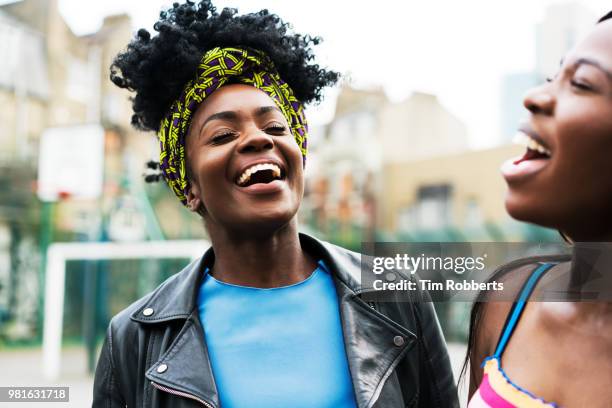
{"x": 158, "y": 67}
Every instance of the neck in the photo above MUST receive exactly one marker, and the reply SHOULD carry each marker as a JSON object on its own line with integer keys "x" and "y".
{"x": 591, "y": 273}
{"x": 590, "y": 232}
{"x": 263, "y": 261}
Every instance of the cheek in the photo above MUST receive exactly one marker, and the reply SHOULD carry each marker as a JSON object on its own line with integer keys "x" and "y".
{"x": 584, "y": 159}
{"x": 292, "y": 153}
{"x": 298, "y": 165}
{"x": 209, "y": 169}
{"x": 584, "y": 140}
{"x": 300, "y": 182}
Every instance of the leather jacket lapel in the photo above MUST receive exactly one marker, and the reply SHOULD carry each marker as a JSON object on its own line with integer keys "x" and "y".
{"x": 374, "y": 346}
{"x": 374, "y": 343}
{"x": 185, "y": 366}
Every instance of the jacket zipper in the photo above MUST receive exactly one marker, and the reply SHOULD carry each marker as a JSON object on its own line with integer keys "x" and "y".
{"x": 181, "y": 394}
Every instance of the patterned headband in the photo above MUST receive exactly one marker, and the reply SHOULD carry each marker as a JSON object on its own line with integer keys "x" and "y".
{"x": 217, "y": 67}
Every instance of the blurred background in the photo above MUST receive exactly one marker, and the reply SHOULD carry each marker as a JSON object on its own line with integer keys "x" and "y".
{"x": 408, "y": 150}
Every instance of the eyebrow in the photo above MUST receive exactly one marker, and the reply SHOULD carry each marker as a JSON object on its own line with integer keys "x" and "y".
{"x": 225, "y": 115}
{"x": 232, "y": 115}
{"x": 593, "y": 63}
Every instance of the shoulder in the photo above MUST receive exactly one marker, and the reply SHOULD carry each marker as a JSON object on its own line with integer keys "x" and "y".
{"x": 514, "y": 275}
{"x": 339, "y": 253}
{"x": 343, "y": 263}
{"x": 170, "y": 298}
{"x": 489, "y": 315}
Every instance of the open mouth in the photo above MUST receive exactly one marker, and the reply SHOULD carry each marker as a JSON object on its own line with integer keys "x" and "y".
{"x": 535, "y": 147}
{"x": 261, "y": 173}
{"x": 536, "y": 157}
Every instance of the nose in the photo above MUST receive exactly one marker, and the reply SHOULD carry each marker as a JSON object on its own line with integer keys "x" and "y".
{"x": 540, "y": 100}
{"x": 255, "y": 140}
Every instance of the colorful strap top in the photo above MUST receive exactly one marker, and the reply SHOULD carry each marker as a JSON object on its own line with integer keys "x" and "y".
{"x": 496, "y": 390}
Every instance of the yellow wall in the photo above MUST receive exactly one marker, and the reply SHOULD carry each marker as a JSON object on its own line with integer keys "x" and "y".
{"x": 473, "y": 175}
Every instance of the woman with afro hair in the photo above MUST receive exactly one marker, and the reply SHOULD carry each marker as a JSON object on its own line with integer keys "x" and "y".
{"x": 268, "y": 317}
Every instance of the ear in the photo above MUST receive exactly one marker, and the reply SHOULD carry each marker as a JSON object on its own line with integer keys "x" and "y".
{"x": 194, "y": 202}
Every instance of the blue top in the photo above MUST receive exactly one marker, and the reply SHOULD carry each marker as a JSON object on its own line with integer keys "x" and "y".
{"x": 278, "y": 347}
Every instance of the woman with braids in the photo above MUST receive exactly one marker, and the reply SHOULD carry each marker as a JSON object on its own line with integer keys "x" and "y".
{"x": 556, "y": 353}
{"x": 267, "y": 317}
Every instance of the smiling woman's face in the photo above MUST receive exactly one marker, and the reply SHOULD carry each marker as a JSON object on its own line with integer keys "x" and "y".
{"x": 246, "y": 167}
{"x": 564, "y": 180}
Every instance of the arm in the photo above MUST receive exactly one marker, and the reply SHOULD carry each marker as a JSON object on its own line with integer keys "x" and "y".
{"x": 105, "y": 391}
{"x": 479, "y": 350}
{"x": 437, "y": 385}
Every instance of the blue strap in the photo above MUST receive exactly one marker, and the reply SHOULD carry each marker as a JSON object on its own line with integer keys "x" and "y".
{"x": 519, "y": 306}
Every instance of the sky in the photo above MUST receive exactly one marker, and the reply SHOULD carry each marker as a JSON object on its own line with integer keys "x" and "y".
{"x": 457, "y": 50}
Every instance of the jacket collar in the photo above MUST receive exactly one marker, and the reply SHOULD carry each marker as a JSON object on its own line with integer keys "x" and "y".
{"x": 371, "y": 339}
{"x": 177, "y": 297}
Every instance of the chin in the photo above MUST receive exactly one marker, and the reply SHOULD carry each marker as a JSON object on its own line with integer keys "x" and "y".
{"x": 531, "y": 211}
{"x": 268, "y": 220}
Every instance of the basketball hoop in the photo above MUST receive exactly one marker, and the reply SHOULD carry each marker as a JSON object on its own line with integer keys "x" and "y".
{"x": 63, "y": 195}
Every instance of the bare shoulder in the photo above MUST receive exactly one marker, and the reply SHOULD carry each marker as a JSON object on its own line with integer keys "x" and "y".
{"x": 494, "y": 311}
{"x": 489, "y": 314}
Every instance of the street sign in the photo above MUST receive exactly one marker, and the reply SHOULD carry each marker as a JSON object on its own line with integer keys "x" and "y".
{"x": 71, "y": 162}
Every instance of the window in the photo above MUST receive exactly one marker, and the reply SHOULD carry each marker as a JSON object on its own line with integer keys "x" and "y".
{"x": 433, "y": 207}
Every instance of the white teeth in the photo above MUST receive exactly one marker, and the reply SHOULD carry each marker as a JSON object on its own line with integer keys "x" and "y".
{"x": 523, "y": 139}
{"x": 520, "y": 138}
{"x": 246, "y": 175}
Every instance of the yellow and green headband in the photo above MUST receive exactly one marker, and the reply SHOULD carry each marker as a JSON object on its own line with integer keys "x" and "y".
{"x": 217, "y": 67}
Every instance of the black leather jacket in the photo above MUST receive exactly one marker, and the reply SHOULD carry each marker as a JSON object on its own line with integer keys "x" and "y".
{"x": 155, "y": 355}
